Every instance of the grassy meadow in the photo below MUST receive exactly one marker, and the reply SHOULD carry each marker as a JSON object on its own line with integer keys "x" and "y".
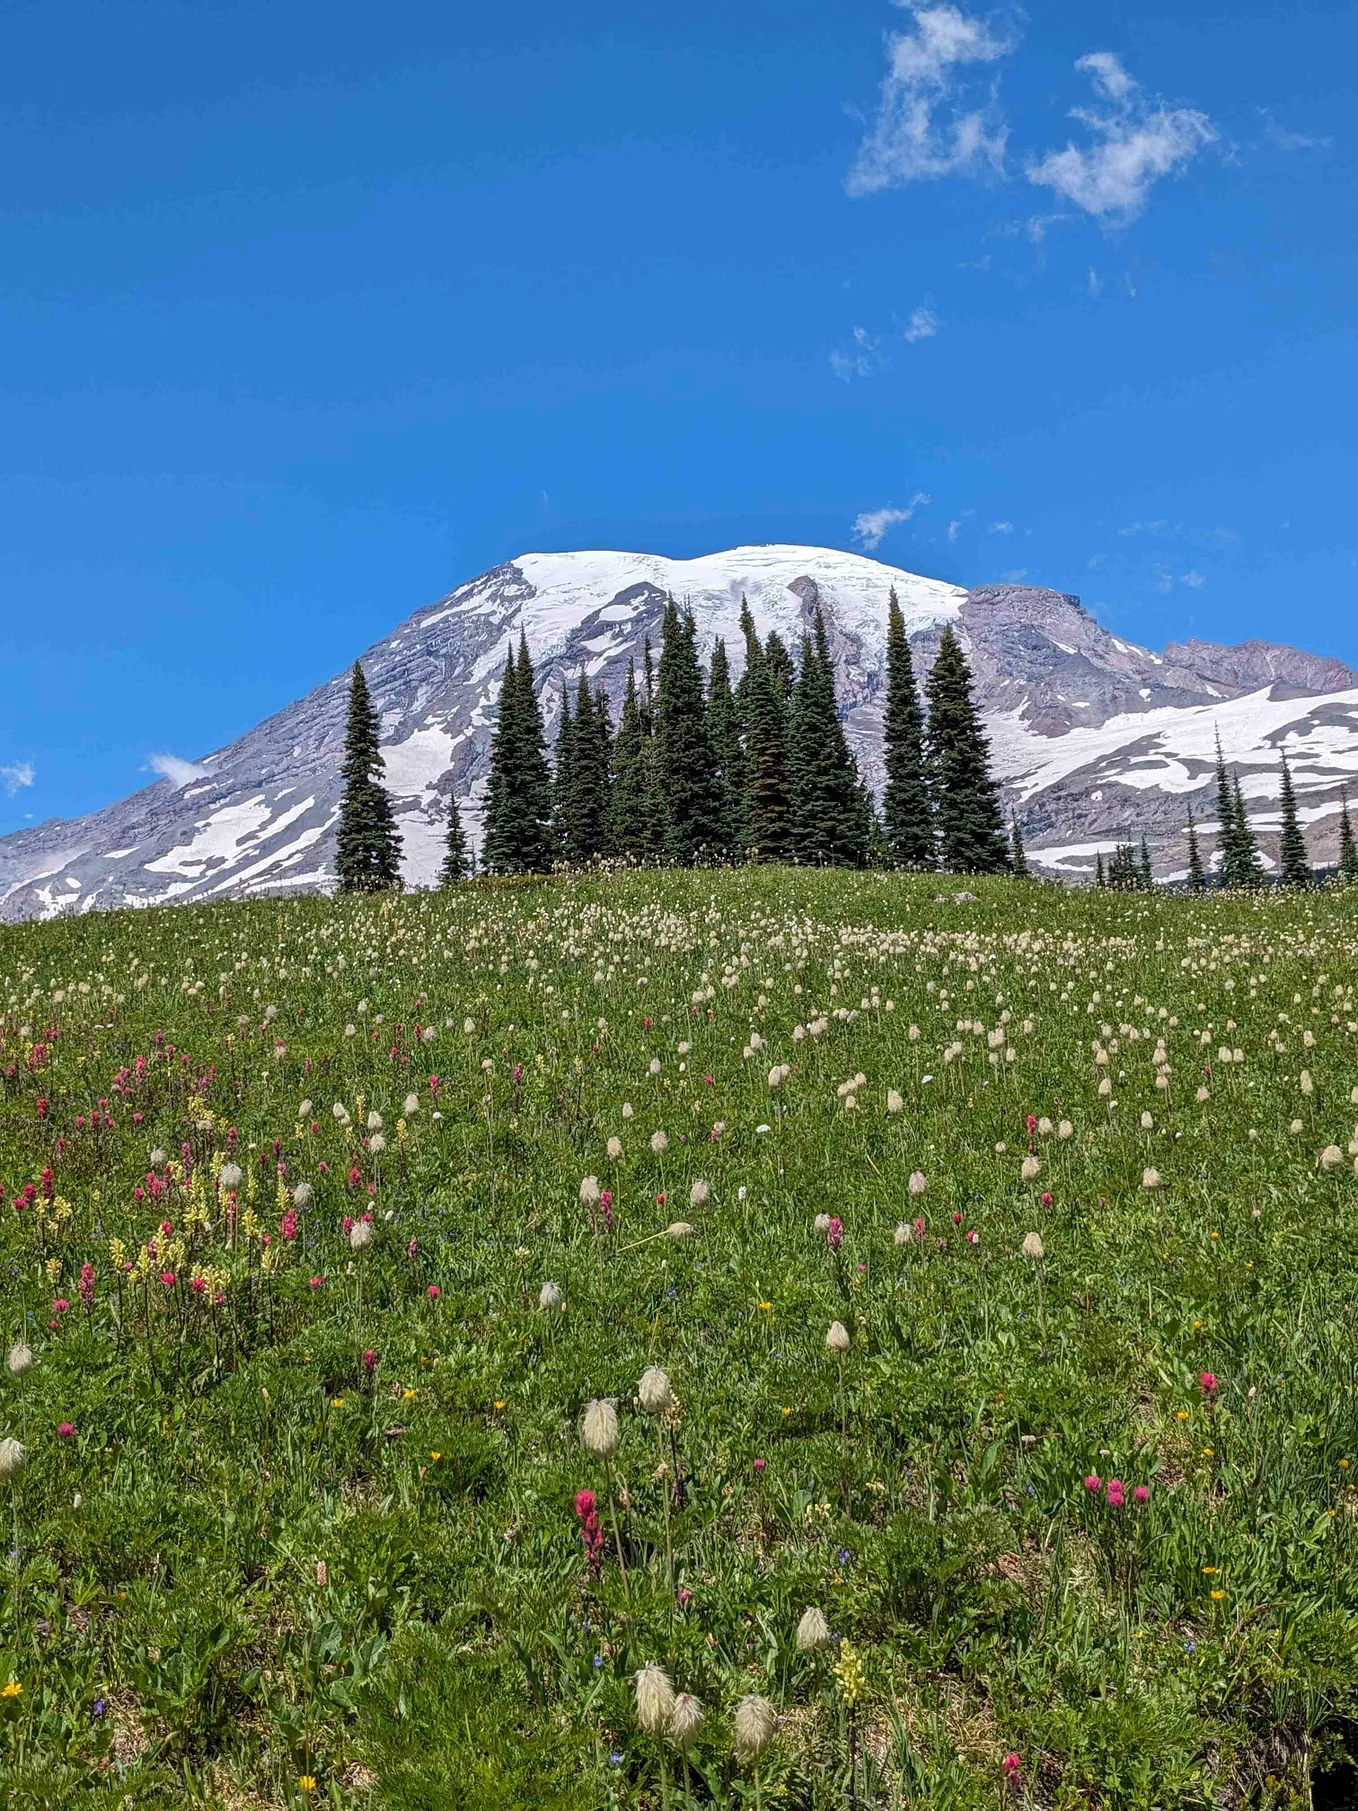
{"x": 325, "y": 1224}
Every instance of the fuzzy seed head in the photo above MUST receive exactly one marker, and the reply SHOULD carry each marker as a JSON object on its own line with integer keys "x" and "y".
{"x": 688, "y": 1716}
{"x": 755, "y": 1722}
{"x": 655, "y": 1700}
{"x": 837, "y": 1339}
{"x": 13, "y": 1458}
{"x": 654, "y": 1393}
{"x": 360, "y": 1235}
{"x": 20, "y": 1360}
{"x": 813, "y": 1631}
{"x": 1032, "y": 1246}
{"x": 550, "y": 1297}
{"x": 599, "y": 1430}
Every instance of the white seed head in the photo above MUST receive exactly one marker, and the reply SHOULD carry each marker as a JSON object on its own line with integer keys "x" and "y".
{"x": 1030, "y": 1168}
{"x": 1150, "y": 1178}
{"x": 157, "y": 1159}
{"x": 678, "y": 1229}
{"x": 654, "y": 1393}
{"x": 655, "y": 1700}
{"x": 904, "y": 1234}
{"x": 599, "y": 1430}
{"x": 813, "y": 1631}
{"x": 698, "y": 1194}
{"x": 360, "y": 1235}
{"x": 550, "y": 1297}
{"x": 615, "y": 1148}
{"x": 688, "y": 1716}
{"x": 589, "y": 1191}
{"x": 1331, "y": 1157}
{"x": 301, "y": 1195}
{"x": 917, "y": 1183}
{"x": 20, "y": 1360}
{"x": 1065, "y": 1129}
{"x": 755, "y": 1723}
{"x": 894, "y": 1100}
{"x": 231, "y": 1177}
{"x": 410, "y": 1106}
{"x": 1032, "y": 1246}
{"x": 837, "y": 1339}
{"x": 13, "y": 1458}
{"x": 660, "y": 1143}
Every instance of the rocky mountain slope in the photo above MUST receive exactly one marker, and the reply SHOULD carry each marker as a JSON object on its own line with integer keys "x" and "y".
{"x": 1094, "y": 738}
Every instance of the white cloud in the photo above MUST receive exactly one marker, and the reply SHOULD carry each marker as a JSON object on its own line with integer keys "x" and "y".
{"x": 1136, "y": 528}
{"x": 1134, "y": 144}
{"x": 1283, "y": 140}
{"x": 1095, "y": 282}
{"x": 923, "y": 129}
{"x": 1193, "y": 579}
{"x": 871, "y": 526}
{"x": 16, "y": 776}
{"x": 861, "y": 360}
{"x": 1015, "y": 576}
{"x": 923, "y": 325}
{"x": 955, "y": 526}
{"x": 176, "y": 770}
{"x": 1001, "y": 528}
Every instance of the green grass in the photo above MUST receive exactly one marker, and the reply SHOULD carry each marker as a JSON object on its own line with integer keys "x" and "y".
{"x": 257, "y": 1561}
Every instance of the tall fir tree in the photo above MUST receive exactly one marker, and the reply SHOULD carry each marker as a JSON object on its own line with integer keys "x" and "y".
{"x": 1197, "y": 876}
{"x": 518, "y": 837}
{"x": 1249, "y": 867}
{"x": 457, "y": 861}
{"x": 1348, "y": 844}
{"x": 1018, "y": 855}
{"x": 1294, "y": 869}
{"x": 1147, "y": 872}
{"x": 368, "y": 856}
{"x": 966, "y": 804}
{"x": 591, "y": 815}
{"x": 1100, "y": 878}
{"x": 765, "y": 710}
{"x": 563, "y": 778}
{"x": 723, "y": 728}
{"x": 630, "y": 827}
{"x": 907, "y": 814}
{"x": 826, "y": 824}
{"x": 684, "y": 749}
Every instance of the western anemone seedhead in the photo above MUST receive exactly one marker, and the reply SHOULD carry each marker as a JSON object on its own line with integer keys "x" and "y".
{"x": 813, "y": 1631}
{"x": 20, "y": 1360}
{"x": 755, "y": 1722}
{"x": 599, "y": 1430}
{"x": 688, "y": 1716}
{"x": 655, "y": 1700}
{"x": 654, "y": 1393}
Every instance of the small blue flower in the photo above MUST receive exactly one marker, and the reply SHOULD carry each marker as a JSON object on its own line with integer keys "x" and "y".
{"x": 100, "y": 1707}
{"x": 615, "y": 1759}
{"x": 844, "y": 1556}
{"x": 598, "y": 1660}
{"x": 1189, "y": 1646}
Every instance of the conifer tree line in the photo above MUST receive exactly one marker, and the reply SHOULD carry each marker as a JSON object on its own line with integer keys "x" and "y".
{"x": 698, "y": 770}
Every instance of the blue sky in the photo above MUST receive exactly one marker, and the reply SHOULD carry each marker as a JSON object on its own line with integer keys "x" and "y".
{"x": 312, "y": 312}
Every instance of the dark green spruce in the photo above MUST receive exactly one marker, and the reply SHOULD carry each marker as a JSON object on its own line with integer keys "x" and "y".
{"x": 1348, "y": 844}
{"x": 967, "y": 813}
{"x": 1294, "y": 867}
{"x": 457, "y": 861}
{"x": 685, "y": 750}
{"x": 518, "y": 836}
{"x": 826, "y": 820}
{"x": 1197, "y": 874}
{"x": 907, "y": 815}
{"x": 368, "y": 858}
{"x": 1018, "y": 855}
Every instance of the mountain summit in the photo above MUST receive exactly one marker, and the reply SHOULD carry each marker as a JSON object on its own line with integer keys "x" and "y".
{"x": 1094, "y": 738}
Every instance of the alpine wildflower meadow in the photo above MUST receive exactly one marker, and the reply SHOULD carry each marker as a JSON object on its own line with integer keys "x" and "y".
{"x": 773, "y": 1337}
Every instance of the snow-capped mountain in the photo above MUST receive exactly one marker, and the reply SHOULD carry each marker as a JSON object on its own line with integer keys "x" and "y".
{"x": 1094, "y": 738}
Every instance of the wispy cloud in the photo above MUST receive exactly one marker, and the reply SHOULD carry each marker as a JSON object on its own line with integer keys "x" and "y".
{"x": 17, "y": 776}
{"x": 1283, "y": 140}
{"x": 871, "y": 526}
{"x": 862, "y": 358}
{"x": 1001, "y": 528}
{"x": 1193, "y": 579}
{"x": 176, "y": 770}
{"x": 1138, "y": 528}
{"x": 955, "y": 526}
{"x": 1133, "y": 143}
{"x": 1015, "y": 576}
{"x": 923, "y": 325}
{"x": 926, "y": 126}
{"x": 1094, "y": 282}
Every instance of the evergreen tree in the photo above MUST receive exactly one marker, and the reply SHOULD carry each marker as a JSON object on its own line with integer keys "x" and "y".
{"x": 1294, "y": 870}
{"x": 1147, "y": 875}
{"x": 457, "y": 863}
{"x": 966, "y": 804}
{"x": 563, "y": 779}
{"x": 723, "y": 728}
{"x": 519, "y": 799}
{"x": 630, "y": 779}
{"x": 1124, "y": 872}
{"x": 592, "y": 826}
{"x": 906, "y": 816}
{"x": 1348, "y": 845}
{"x": 1100, "y": 878}
{"x": 368, "y": 858}
{"x": 765, "y": 707}
{"x": 684, "y": 749}
{"x": 1249, "y": 868}
{"x": 826, "y": 822}
{"x": 1018, "y": 855}
{"x": 1197, "y": 878}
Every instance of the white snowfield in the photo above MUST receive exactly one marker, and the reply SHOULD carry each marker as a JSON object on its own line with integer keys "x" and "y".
{"x": 1091, "y": 735}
